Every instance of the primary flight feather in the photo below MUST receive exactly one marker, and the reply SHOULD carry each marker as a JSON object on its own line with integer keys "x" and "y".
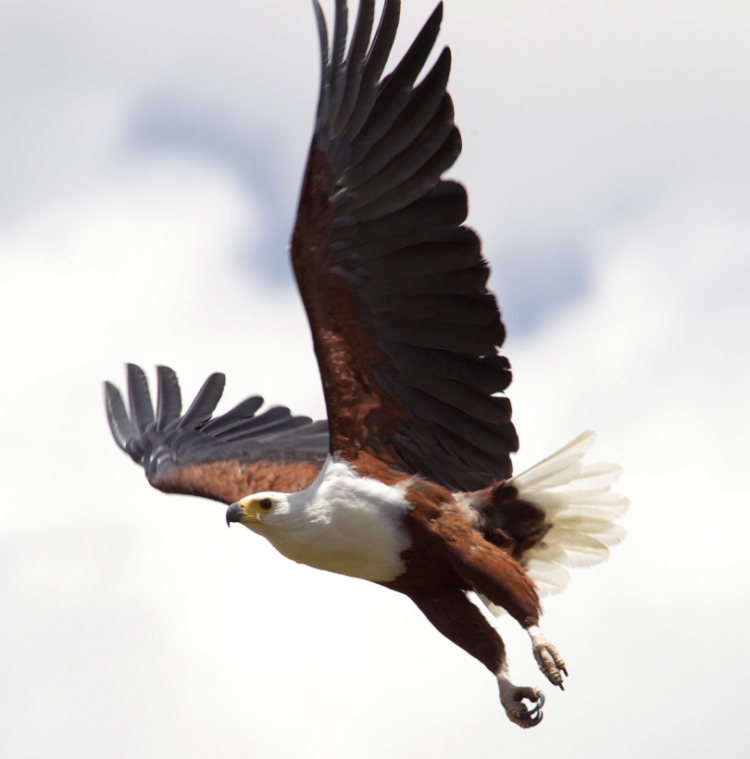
{"x": 409, "y": 482}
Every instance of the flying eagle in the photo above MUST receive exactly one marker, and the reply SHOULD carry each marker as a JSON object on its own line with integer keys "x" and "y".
{"x": 409, "y": 483}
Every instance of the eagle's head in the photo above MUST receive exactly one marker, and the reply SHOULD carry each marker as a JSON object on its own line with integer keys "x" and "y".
{"x": 284, "y": 511}
{"x": 258, "y": 509}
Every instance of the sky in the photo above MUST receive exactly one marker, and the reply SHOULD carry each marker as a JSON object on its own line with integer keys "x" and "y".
{"x": 150, "y": 159}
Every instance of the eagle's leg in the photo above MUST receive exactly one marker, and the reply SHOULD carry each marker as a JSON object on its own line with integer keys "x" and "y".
{"x": 549, "y": 661}
{"x": 499, "y": 577}
{"x": 493, "y": 573}
{"x": 456, "y": 617}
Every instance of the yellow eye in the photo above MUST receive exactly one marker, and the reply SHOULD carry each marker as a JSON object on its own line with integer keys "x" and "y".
{"x": 266, "y": 504}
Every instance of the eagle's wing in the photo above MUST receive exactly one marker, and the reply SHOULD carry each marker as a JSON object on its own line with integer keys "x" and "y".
{"x": 223, "y": 458}
{"x": 405, "y": 331}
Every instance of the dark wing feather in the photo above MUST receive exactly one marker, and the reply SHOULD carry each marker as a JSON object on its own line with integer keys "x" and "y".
{"x": 169, "y": 401}
{"x": 405, "y": 331}
{"x": 139, "y": 398}
{"x": 223, "y": 458}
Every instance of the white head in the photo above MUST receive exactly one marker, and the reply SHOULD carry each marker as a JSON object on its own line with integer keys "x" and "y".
{"x": 259, "y": 509}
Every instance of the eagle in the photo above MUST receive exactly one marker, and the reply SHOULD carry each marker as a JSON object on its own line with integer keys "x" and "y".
{"x": 409, "y": 482}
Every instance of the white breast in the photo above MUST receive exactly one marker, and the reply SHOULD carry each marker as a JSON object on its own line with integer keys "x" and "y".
{"x": 343, "y": 523}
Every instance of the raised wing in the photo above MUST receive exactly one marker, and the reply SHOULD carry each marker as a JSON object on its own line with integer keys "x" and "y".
{"x": 223, "y": 458}
{"x": 405, "y": 331}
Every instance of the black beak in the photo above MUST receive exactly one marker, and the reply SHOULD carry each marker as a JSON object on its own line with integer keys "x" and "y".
{"x": 234, "y": 514}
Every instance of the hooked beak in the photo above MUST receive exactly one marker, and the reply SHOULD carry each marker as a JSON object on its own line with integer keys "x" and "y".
{"x": 234, "y": 514}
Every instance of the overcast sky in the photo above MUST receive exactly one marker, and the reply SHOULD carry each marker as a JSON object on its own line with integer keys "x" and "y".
{"x": 150, "y": 159}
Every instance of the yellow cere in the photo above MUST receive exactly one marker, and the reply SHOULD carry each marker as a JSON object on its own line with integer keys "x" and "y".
{"x": 256, "y": 509}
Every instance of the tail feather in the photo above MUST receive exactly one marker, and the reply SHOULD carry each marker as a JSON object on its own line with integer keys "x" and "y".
{"x": 595, "y": 476}
{"x": 549, "y": 578}
{"x": 581, "y": 509}
{"x": 607, "y": 533}
{"x": 581, "y": 550}
{"x": 545, "y": 473}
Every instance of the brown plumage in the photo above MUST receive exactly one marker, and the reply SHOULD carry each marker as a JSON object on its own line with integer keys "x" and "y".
{"x": 416, "y": 493}
{"x": 228, "y": 481}
{"x": 361, "y": 415}
{"x": 450, "y": 552}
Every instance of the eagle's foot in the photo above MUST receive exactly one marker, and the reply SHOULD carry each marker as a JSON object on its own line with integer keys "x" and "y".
{"x": 549, "y": 661}
{"x": 512, "y": 698}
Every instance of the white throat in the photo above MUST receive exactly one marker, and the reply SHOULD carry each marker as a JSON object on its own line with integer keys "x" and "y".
{"x": 342, "y": 523}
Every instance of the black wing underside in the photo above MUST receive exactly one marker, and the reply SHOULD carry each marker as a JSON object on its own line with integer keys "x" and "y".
{"x": 223, "y": 458}
{"x": 426, "y": 350}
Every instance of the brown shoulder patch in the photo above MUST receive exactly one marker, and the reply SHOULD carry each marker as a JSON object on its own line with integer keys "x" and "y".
{"x": 229, "y": 481}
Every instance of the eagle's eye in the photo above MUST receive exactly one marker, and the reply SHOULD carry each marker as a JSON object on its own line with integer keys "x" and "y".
{"x": 266, "y": 504}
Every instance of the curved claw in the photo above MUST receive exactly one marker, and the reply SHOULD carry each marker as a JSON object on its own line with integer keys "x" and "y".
{"x": 539, "y": 704}
{"x": 530, "y": 719}
{"x": 536, "y": 720}
{"x": 512, "y": 697}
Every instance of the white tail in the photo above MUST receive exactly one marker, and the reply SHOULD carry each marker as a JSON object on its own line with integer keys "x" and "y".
{"x": 581, "y": 508}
